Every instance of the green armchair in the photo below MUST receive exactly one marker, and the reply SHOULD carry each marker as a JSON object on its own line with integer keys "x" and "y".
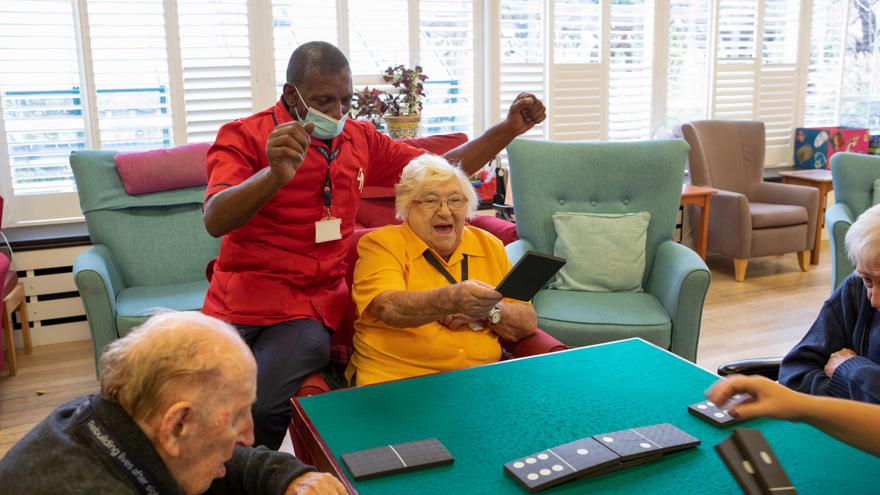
{"x": 853, "y": 176}
{"x": 548, "y": 177}
{"x": 150, "y": 250}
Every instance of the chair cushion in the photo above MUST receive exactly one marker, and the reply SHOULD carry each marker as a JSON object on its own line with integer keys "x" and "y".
{"x": 163, "y": 169}
{"x": 136, "y": 304}
{"x": 578, "y": 318}
{"x": 605, "y": 252}
{"x": 437, "y": 145}
{"x": 765, "y": 215}
{"x": 876, "y": 199}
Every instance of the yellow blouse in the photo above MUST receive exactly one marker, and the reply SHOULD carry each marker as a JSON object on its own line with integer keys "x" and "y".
{"x": 392, "y": 258}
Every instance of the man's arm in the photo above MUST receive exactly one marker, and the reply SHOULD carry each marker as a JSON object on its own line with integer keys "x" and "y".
{"x": 803, "y": 369}
{"x": 260, "y": 470}
{"x": 234, "y": 207}
{"x": 857, "y": 378}
{"x": 525, "y": 112}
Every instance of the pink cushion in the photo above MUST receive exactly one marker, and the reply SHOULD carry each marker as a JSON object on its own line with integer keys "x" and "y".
{"x": 163, "y": 169}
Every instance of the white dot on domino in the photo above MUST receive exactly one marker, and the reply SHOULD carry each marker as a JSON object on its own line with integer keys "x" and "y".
{"x": 608, "y": 439}
{"x": 531, "y": 460}
{"x": 518, "y": 465}
{"x": 766, "y": 457}
{"x": 719, "y": 415}
{"x": 710, "y": 403}
{"x": 532, "y": 476}
{"x": 702, "y": 406}
{"x": 645, "y": 445}
{"x": 583, "y": 451}
{"x": 543, "y": 457}
{"x": 557, "y": 467}
{"x": 545, "y": 472}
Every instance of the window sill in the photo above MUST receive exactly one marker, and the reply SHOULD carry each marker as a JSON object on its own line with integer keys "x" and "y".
{"x": 33, "y": 238}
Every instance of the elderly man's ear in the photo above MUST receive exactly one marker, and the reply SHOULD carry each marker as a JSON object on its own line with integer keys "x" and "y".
{"x": 176, "y": 426}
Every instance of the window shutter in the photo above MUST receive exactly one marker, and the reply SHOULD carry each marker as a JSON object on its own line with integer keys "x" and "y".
{"x": 296, "y": 22}
{"x": 216, "y": 65}
{"x": 578, "y": 78}
{"x": 40, "y": 94}
{"x": 688, "y": 69}
{"x": 776, "y": 107}
{"x": 447, "y": 57}
{"x": 826, "y": 63}
{"x": 378, "y": 35}
{"x": 735, "y": 84}
{"x": 522, "y": 54}
{"x": 131, "y": 74}
{"x": 630, "y": 69}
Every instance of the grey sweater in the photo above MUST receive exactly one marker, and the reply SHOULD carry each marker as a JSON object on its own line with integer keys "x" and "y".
{"x": 58, "y": 457}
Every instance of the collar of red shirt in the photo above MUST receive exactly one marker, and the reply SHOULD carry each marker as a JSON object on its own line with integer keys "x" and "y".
{"x": 469, "y": 245}
{"x": 282, "y": 115}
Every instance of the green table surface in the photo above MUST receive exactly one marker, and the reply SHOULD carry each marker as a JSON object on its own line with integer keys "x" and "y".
{"x": 489, "y": 415}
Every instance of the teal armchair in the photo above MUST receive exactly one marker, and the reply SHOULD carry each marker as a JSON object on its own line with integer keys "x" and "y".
{"x": 548, "y": 177}
{"x": 150, "y": 250}
{"x": 853, "y": 176}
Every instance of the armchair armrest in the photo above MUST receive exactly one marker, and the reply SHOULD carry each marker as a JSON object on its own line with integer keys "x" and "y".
{"x": 99, "y": 283}
{"x": 838, "y": 220}
{"x": 730, "y": 221}
{"x": 540, "y": 343}
{"x": 767, "y": 367}
{"x": 518, "y": 249}
{"x": 790, "y": 194}
{"x": 679, "y": 279}
{"x": 314, "y": 384}
{"x": 502, "y": 229}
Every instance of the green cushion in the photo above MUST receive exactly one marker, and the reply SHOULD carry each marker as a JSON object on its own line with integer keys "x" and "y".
{"x": 605, "y": 251}
{"x": 135, "y": 305}
{"x": 586, "y": 318}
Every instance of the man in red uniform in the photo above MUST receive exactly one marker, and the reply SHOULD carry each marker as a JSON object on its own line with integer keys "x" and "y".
{"x": 283, "y": 190}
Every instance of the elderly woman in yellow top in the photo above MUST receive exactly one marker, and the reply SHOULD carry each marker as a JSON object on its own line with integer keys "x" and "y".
{"x": 425, "y": 289}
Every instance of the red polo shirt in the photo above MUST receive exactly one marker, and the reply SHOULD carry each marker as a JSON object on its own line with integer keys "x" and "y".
{"x": 271, "y": 270}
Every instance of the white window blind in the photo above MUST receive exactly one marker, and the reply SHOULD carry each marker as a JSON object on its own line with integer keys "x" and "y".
{"x": 296, "y": 22}
{"x": 215, "y": 55}
{"x": 447, "y": 56}
{"x": 131, "y": 74}
{"x": 826, "y": 63}
{"x": 631, "y": 69}
{"x": 578, "y": 78}
{"x": 860, "y": 98}
{"x": 40, "y": 94}
{"x": 735, "y": 85}
{"x": 378, "y": 35}
{"x": 687, "y": 94}
{"x": 522, "y": 54}
{"x": 778, "y": 78}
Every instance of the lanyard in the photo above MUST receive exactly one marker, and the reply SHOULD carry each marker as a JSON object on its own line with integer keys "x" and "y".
{"x": 328, "y": 187}
{"x": 126, "y": 463}
{"x": 436, "y": 264}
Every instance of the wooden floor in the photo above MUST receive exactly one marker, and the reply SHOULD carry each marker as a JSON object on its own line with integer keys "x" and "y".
{"x": 761, "y": 317}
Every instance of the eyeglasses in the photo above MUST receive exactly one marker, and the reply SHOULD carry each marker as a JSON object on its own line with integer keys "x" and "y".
{"x": 433, "y": 204}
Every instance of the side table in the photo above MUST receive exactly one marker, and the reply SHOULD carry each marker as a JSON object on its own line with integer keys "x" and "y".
{"x": 821, "y": 180}
{"x": 696, "y": 195}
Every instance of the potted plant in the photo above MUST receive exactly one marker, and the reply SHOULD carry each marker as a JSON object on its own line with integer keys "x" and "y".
{"x": 403, "y": 111}
{"x": 369, "y": 104}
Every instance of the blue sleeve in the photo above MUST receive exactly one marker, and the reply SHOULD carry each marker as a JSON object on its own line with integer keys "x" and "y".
{"x": 803, "y": 369}
{"x": 857, "y": 378}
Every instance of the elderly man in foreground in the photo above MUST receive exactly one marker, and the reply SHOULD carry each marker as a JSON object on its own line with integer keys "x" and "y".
{"x": 173, "y": 417}
{"x": 424, "y": 290}
{"x": 840, "y": 355}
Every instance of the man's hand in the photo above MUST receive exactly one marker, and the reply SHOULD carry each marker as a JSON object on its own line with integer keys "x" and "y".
{"x": 475, "y": 299}
{"x": 837, "y": 359}
{"x": 286, "y": 149}
{"x": 769, "y": 399}
{"x": 316, "y": 484}
{"x": 526, "y": 112}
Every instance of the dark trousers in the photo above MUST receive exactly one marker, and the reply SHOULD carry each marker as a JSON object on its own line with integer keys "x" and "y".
{"x": 286, "y": 353}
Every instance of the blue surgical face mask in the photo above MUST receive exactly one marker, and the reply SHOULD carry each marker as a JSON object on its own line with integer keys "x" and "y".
{"x": 326, "y": 127}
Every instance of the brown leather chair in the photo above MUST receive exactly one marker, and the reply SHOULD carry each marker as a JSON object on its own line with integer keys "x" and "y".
{"x": 748, "y": 218}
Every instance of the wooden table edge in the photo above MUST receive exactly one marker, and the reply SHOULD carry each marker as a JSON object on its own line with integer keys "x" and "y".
{"x": 324, "y": 460}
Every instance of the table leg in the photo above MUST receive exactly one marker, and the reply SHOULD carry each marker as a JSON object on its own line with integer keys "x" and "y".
{"x": 814, "y": 256}
{"x": 704, "y": 228}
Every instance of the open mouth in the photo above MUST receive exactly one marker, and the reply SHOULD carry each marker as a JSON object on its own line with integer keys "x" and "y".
{"x": 443, "y": 228}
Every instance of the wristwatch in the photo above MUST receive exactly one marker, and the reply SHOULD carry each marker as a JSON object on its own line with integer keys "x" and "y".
{"x": 494, "y": 315}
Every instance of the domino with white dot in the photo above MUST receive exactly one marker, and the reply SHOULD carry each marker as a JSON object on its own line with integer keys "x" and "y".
{"x": 559, "y": 464}
{"x": 718, "y": 416}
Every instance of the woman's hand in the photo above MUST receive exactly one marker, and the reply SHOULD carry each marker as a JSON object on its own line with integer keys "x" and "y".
{"x": 475, "y": 299}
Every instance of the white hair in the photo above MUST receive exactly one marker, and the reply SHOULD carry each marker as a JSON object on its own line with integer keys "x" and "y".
{"x": 428, "y": 171}
{"x": 862, "y": 240}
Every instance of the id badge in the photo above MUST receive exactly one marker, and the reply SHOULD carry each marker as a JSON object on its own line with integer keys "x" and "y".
{"x": 328, "y": 229}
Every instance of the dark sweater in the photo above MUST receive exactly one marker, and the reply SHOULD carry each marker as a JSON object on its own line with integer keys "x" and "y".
{"x": 59, "y": 457}
{"x": 847, "y": 320}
